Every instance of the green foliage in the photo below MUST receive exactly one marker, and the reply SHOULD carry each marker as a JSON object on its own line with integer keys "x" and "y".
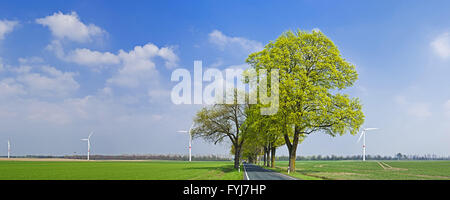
{"x": 218, "y": 122}
{"x": 263, "y": 131}
{"x": 312, "y": 75}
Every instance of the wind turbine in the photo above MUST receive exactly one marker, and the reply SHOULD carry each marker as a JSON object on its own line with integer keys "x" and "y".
{"x": 190, "y": 140}
{"x": 363, "y": 135}
{"x": 89, "y": 144}
{"x": 9, "y": 148}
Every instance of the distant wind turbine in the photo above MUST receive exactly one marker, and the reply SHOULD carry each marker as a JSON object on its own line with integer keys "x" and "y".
{"x": 363, "y": 135}
{"x": 9, "y": 148}
{"x": 89, "y": 144}
{"x": 190, "y": 140}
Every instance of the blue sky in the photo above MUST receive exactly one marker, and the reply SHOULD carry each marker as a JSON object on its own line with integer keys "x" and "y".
{"x": 70, "y": 67}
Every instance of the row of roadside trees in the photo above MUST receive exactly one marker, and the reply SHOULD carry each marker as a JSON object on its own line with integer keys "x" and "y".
{"x": 311, "y": 78}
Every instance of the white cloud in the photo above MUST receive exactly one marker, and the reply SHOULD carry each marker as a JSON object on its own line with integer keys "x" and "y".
{"x": 92, "y": 58}
{"x": 36, "y": 80}
{"x": 171, "y": 59}
{"x": 69, "y": 26}
{"x": 31, "y": 60}
{"x": 138, "y": 65}
{"x": 53, "y": 112}
{"x": 223, "y": 41}
{"x": 158, "y": 95}
{"x": 6, "y": 27}
{"x": 421, "y": 110}
{"x": 447, "y": 108}
{"x": 56, "y": 47}
{"x": 441, "y": 45}
{"x": 138, "y": 59}
{"x": 51, "y": 82}
{"x": 1, "y": 65}
{"x": 415, "y": 109}
{"x": 39, "y": 111}
{"x": 21, "y": 69}
{"x": 316, "y": 30}
{"x": 105, "y": 92}
{"x": 26, "y": 65}
{"x": 86, "y": 110}
{"x": 217, "y": 63}
{"x": 9, "y": 87}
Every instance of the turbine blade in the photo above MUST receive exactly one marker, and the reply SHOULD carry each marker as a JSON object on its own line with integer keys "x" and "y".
{"x": 360, "y": 136}
{"x": 370, "y": 129}
{"x": 91, "y": 134}
{"x": 84, "y": 139}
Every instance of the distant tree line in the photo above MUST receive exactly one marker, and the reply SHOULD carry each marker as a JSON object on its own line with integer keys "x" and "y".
{"x": 137, "y": 157}
{"x": 398, "y": 156}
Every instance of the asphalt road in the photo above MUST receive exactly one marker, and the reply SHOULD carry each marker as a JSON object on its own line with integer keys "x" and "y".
{"x": 254, "y": 172}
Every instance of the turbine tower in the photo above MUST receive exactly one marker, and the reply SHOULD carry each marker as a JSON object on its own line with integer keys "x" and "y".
{"x": 190, "y": 140}
{"x": 88, "y": 144}
{"x": 9, "y": 148}
{"x": 363, "y": 135}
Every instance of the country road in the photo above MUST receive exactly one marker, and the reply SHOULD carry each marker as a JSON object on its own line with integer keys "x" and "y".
{"x": 254, "y": 172}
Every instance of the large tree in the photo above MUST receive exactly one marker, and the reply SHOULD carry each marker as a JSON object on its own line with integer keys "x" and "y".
{"x": 219, "y": 122}
{"x": 312, "y": 75}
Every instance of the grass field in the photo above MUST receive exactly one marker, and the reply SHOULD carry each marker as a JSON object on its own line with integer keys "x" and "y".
{"x": 117, "y": 170}
{"x": 177, "y": 170}
{"x": 369, "y": 170}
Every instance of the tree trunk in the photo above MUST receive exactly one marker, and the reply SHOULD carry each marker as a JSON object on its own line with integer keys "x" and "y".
{"x": 273, "y": 157}
{"x": 265, "y": 157}
{"x": 237, "y": 154}
{"x": 268, "y": 156}
{"x": 292, "y": 156}
{"x": 292, "y": 150}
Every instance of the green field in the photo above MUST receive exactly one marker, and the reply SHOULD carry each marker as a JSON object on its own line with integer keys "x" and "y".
{"x": 117, "y": 170}
{"x": 177, "y": 170}
{"x": 369, "y": 170}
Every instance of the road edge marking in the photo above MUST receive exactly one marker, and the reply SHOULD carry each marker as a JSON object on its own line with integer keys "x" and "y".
{"x": 245, "y": 173}
{"x": 292, "y": 178}
{"x": 278, "y": 173}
